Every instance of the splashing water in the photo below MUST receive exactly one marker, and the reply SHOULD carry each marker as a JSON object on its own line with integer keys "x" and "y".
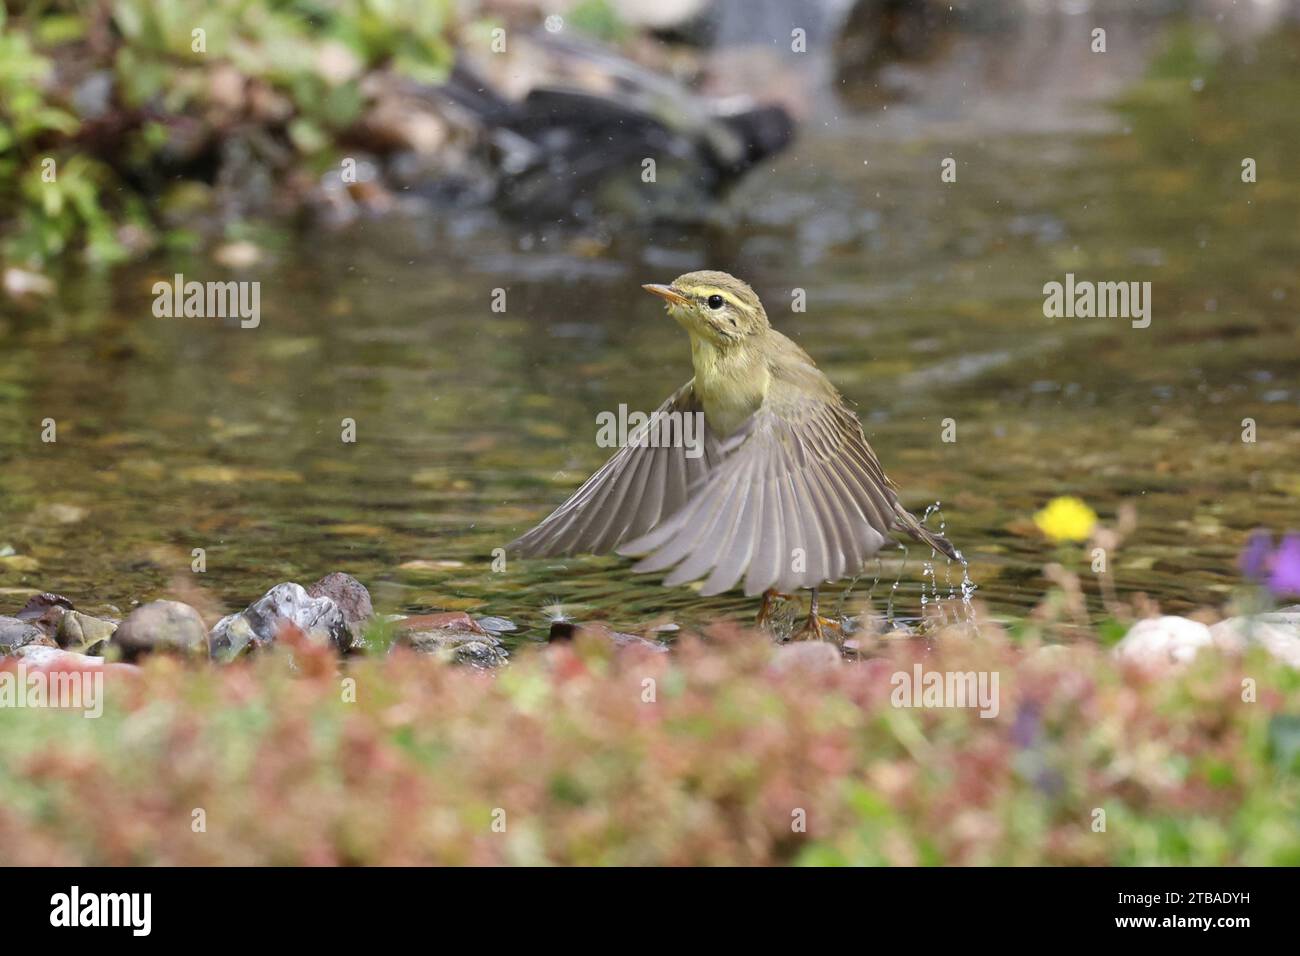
{"x": 555, "y": 613}
{"x": 966, "y": 613}
{"x": 893, "y": 588}
{"x": 940, "y": 599}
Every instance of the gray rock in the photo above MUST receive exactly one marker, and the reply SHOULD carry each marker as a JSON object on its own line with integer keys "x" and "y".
{"x": 350, "y": 595}
{"x": 452, "y": 636}
{"x": 160, "y": 627}
{"x": 479, "y": 654}
{"x": 15, "y": 634}
{"x": 258, "y": 624}
{"x": 81, "y": 632}
{"x": 457, "y": 646}
{"x": 430, "y": 642}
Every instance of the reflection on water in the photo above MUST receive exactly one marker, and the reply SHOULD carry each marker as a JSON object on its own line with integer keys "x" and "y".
{"x": 924, "y": 304}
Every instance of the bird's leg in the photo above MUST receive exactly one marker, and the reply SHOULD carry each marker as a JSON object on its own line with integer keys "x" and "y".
{"x": 814, "y": 628}
{"x": 765, "y": 612}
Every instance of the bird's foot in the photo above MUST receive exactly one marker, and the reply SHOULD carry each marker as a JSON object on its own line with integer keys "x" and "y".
{"x": 818, "y": 628}
{"x": 765, "y": 612}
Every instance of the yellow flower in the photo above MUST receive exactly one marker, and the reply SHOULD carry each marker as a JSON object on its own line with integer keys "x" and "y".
{"x": 1066, "y": 519}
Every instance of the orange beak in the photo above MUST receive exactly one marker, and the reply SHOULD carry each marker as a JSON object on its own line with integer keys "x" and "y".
{"x": 667, "y": 292}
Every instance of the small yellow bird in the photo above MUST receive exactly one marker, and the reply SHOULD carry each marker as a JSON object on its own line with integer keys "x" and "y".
{"x": 785, "y": 492}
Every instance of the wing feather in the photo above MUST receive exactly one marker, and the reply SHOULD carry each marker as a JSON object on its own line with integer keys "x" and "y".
{"x": 632, "y": 493}
{"x": 798, "y": 474}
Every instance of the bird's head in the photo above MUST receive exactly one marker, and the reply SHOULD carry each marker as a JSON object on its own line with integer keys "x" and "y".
{"x": 713, "y": 306}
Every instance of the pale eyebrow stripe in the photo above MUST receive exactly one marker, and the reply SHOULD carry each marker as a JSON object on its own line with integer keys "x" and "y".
{"x": 706, "y": 292}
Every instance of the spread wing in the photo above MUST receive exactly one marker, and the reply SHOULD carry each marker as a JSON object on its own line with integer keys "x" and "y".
{"x": 636, "y": 489}
{"x": 798, "y": 499}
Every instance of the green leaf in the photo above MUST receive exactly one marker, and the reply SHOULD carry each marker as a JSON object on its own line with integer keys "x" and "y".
{"x": 60, "y": 28}
{"x": 307, "y": 136}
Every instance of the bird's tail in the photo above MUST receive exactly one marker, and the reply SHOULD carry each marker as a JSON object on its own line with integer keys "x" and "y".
{"x": 907, "y": 522}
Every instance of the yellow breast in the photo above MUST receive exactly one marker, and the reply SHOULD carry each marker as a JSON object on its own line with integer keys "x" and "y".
{"x": 731, "y": 385}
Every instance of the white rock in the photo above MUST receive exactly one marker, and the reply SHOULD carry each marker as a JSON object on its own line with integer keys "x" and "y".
{"x": 1277, "y": 632}
{"x": 1164, "y": 640}
{"x": 39, "y": 656}
{"x": 657, "y": 14}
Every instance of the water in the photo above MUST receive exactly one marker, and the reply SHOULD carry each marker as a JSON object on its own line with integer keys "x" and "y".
{"x": 924, "y": 303}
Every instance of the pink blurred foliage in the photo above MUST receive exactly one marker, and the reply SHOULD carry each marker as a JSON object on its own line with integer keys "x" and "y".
{"x": 565, "y": 749}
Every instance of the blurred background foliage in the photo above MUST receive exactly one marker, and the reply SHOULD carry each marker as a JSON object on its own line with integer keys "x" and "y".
{"x": 124, "y": 98}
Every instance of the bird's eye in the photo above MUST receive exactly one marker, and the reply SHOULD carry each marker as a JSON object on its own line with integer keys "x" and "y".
{"x": 715, "y": 302}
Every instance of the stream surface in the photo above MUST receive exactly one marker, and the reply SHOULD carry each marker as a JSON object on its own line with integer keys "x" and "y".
{"x": 924, "y": 302}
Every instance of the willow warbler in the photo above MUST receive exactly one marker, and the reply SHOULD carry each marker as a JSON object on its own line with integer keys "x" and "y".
{"x": 785, "y": 492}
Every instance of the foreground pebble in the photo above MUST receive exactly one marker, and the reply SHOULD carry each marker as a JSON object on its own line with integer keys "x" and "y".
{"x": 160, "y": 627}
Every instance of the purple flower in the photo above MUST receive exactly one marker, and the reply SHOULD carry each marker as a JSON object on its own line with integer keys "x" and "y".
{"x": 1255, "y": 557}
{"x": 1025, "y": 728}
{"x": 1285, "y": 579}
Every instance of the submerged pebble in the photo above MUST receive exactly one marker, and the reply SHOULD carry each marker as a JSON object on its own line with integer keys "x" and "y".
{"x": 453, "y": 636}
